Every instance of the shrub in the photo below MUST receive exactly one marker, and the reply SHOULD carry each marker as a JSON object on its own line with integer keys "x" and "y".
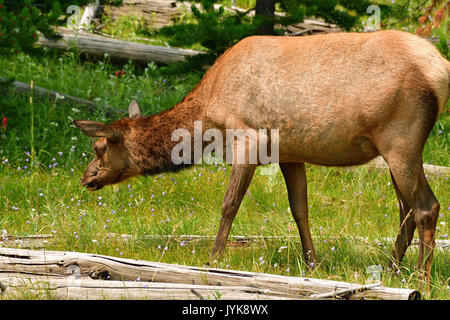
{"x": 21, "y": 21}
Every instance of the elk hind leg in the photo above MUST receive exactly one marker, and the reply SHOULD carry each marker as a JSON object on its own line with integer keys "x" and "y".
{"x": 295, "y": 177}
{"x": 411, "y": 182}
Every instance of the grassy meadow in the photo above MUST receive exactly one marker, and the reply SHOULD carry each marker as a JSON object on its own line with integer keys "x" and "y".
{"x": 43, "y": 157}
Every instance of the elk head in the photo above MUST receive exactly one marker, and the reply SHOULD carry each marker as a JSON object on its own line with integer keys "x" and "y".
{"x": 112, "y": 162}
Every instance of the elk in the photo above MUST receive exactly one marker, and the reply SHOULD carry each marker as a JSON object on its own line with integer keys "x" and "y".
{"x": 338, "y": 99}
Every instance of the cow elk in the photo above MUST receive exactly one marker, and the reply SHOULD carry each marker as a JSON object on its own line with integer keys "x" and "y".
{"x": 337, "y": 99}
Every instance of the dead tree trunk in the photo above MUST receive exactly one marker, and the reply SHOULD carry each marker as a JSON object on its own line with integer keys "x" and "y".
{"x": 89, "y": 13}
{"x": 117, "y": 49}
{"x": 265, "y": 12}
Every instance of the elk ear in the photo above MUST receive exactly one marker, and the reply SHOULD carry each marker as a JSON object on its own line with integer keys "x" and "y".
{"x": 97, "y": 129}
{"x": 133, "y": 109}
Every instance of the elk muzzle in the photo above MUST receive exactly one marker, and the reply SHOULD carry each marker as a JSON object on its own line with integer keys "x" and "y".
{"x": 90, "y": 180}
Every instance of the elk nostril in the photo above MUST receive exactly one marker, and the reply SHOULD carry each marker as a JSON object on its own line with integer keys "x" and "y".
{"x": 91, "y": 185}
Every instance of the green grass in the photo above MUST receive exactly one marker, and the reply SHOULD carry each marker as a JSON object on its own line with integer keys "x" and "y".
{"x": 95, "y": 81}
{"x": 137, "y": 29}
{"x": 343, "y": 206}
{"x": 47, "y": 198}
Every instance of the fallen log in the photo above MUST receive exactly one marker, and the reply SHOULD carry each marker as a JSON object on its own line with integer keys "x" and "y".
{"x": 379, "y": 163}
{"x": 29, "y": 242}
{"x": 45, "y": 240}
{"x": 116, "y": 49}
{"x": 157, "y": 13}
{"x": 74, "y": 287}
{"x": 24, "y": 88}
{"x": 46, "y": 267}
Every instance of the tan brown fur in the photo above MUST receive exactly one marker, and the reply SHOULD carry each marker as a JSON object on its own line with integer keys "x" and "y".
{"x": 338, "y": 99}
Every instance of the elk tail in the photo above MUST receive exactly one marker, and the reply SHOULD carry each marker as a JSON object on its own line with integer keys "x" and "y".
{"x": 447, "y": 63}
{"x": 448, "y": 70}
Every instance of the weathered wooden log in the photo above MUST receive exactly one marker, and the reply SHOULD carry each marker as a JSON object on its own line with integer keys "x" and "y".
{"x": 117, "y": 49}
{"x": 379, "y": 163}
{"x": 45, "y": 240}
{"x": 157, "y": 13}
{"x": 28, "y": 242}
{"x": 233, "y": 283}
{"x": 74, "y": 287}
{"x": 441, "y": 244}
{"x": 24, "y": 88}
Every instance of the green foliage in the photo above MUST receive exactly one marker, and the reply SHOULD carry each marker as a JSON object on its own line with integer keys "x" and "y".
{"x": 429, "y": 18}
{"x": 19, "y": 25}
{"x": 422, "y": 17}
{"x": 345, "y": 13}
{"x": 217, "y": 29}
{"x": 443, "y": 36}
{"x": 214, "y": 29}
{"x": 21, "y": 21}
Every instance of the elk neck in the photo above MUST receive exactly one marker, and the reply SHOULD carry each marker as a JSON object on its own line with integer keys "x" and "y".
{"x": 148, "y": 138}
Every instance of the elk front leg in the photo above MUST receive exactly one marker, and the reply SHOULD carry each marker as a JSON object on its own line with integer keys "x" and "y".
{"x": 241, "y": 176}
{"x": 425, "y": 209}
{"x": 295, "y": 177}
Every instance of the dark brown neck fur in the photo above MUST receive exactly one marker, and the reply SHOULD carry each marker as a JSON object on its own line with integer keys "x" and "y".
{"x": 148, "y": 139}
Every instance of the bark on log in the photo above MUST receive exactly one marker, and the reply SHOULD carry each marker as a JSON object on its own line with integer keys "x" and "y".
{"x": 117, "y": 49}
{"x": 16, "y": 265}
